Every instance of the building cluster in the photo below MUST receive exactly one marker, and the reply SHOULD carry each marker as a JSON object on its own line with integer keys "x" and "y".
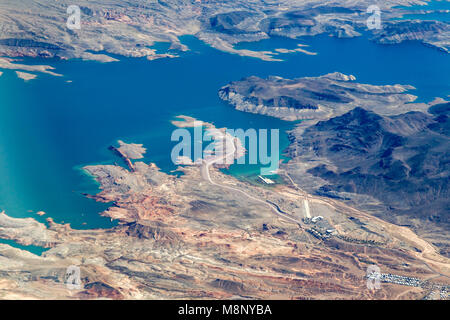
{"x": 322, "y": 229}
{"x": 415, "y": 282}
{"x": 266, "y": 180}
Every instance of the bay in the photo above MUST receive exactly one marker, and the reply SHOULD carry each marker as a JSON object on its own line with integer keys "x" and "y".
{"x": 51, "y": 128}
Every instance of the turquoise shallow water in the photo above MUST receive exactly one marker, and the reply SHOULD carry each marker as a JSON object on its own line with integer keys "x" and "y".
{"x": 51, "y": 128}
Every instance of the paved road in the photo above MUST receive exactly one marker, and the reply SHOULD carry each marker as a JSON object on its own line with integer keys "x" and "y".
{"x": 205, "y": 174}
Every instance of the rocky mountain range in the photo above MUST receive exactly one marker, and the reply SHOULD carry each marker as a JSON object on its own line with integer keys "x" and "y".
{"x": 131, "y": 28}
{"x": 364, "y": 144}
{"x": 186, "y": 238}
{"x": 366, "y": 182}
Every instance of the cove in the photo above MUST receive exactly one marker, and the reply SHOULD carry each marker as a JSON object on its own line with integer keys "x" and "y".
{"x": 51, "y": 128}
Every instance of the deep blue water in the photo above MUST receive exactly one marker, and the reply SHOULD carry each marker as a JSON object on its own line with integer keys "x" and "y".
{"x": 435, "y": 7}
{"x": 51, "y": 128}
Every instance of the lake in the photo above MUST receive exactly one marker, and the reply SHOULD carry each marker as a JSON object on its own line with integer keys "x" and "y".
{"x": 50, "y": 128}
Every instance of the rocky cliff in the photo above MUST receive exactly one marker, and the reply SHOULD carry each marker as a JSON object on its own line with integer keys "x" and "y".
{"x": 315, "y": 98}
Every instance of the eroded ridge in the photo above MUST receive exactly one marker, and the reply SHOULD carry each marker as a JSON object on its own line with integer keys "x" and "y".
{"x": 185, "y": 237}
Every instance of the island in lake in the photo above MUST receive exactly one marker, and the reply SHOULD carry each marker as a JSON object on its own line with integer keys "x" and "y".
{"x": 362, "y": 181}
